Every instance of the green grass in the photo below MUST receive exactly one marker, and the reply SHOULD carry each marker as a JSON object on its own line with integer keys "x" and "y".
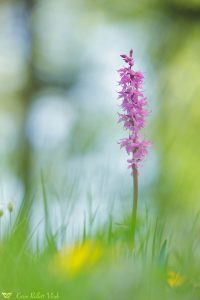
{"x": 114, "y": 268}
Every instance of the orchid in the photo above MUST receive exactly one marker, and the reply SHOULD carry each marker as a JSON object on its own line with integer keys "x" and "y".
{"x": 133, "y": 117}
{"x": 134, "y": 112}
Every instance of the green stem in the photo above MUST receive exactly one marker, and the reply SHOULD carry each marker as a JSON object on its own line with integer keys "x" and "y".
{"x": 135, "y": 200}
{"x": 10, "y": 221}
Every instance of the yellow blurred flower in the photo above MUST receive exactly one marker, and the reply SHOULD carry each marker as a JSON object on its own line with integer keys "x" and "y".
{"x": 77, "y": 258}
{"x": 175, "y": 279}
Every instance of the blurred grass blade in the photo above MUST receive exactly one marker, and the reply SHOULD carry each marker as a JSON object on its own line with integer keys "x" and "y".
{"x": 45, "y": 205}
{"x": 163, "y": 254}
{"x": 154, "y": 240}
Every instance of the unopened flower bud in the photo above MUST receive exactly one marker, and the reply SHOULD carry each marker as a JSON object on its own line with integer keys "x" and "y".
{"x": 10, "y": 207}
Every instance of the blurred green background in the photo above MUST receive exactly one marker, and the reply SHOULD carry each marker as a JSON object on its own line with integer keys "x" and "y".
{"x": 58, "y": 107}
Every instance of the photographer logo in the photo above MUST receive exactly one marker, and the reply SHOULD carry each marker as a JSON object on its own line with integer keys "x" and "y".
{"x": 6, "y": 295}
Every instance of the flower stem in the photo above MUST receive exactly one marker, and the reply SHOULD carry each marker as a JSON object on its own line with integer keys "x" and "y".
{"x": 135, "y": 201}
{"x": 10, "y": 222}
{"x": 0, "y": 229}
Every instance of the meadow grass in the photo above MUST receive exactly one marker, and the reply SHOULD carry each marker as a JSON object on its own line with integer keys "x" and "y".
{"x": 103, "y": 264}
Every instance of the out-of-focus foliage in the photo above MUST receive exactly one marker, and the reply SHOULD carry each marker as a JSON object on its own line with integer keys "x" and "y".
{"x": 61, "y": 166}
{"x": 179, "y": 117}
{"x": 194, "y": 5}
{"x": 126, "y": 9}
{"x": 58, "y": 85}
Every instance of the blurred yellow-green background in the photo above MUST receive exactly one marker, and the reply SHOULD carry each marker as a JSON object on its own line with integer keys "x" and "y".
{"x": 58, "y": 107}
